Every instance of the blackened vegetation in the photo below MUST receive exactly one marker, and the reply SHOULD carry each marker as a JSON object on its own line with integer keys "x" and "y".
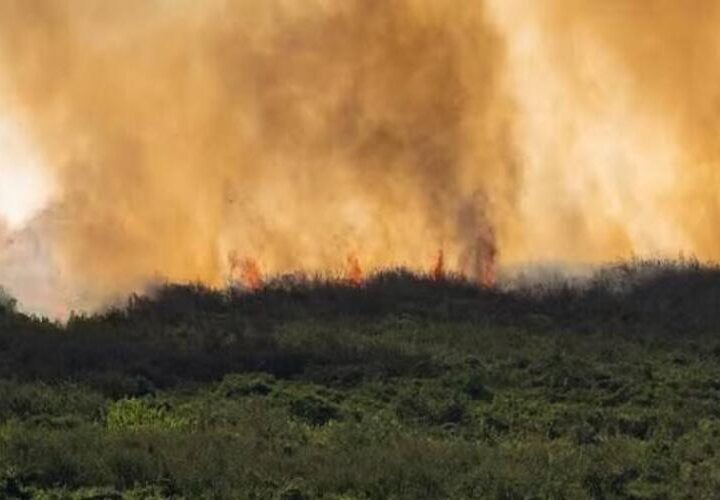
{"x": 423, "y": 388}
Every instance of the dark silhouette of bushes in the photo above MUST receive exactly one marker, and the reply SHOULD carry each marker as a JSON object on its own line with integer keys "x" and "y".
{"x": 190, "y": 332}
{"x": 7, "y": 303}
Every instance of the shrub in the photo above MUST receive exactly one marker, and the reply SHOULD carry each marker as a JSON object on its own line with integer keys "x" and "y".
{"x": 314, "y": 410}
{"x": 137, "y": 414}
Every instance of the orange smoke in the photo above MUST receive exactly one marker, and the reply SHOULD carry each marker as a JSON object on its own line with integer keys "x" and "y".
{"x": 179, "y": 131}
{"x": 501, "y": 131}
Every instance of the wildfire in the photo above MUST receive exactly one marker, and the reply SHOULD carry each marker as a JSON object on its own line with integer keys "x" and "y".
{"x": 245, "y": 271}
{"x": 485, "y": 268}
{"x": 353, "y": 271}
{"x": 438, "y": 271}
{"x": 488, "y": 272}
{"x": 487, "y": 265}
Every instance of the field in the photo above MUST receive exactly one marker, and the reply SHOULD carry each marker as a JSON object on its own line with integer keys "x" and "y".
{"x": 404, "y": 388}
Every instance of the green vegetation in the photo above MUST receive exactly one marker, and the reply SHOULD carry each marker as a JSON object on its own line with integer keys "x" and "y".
{"x": 402, "y": 388}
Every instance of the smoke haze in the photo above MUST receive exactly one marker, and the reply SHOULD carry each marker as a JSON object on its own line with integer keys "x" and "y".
{"x": 183, "y": 135}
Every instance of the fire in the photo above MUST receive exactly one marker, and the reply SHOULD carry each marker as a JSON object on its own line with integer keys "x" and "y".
{"x": 353, "y": 271}
{"x": 488, "y": 272}
{"x": 555, "y": 130}
{"x": 486, "y": 258}
{"x": 245, "y": 271}
{"x": 438, "y": 271}
{"x": 484, "y": 265}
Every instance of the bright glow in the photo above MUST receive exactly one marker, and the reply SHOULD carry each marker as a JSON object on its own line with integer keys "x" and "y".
{"x": 24, "y": 187}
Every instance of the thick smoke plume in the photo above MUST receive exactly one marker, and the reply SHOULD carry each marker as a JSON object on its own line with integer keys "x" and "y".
{"x": 188, "y": 139}
{"x": 292, "y": 133}
{"x": 615, "y": 126}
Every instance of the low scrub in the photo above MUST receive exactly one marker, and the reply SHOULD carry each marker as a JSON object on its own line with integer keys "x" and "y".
{"x": 404, "y": 387}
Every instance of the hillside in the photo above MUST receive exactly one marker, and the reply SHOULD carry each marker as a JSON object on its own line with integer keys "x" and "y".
{"x": 403, "y": 387}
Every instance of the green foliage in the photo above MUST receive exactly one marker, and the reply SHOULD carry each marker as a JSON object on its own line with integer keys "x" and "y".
{"x": 238, "y": 386}
{"x": 138, "y": 414}
{"x": 314, "y": 410}
{"x": 47, "y": 404}
{"x": 402, "y": 388}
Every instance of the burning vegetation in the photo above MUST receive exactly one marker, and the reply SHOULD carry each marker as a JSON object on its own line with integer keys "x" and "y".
{"x": 353, "y": 271}
{"x": 245, "y": 272}
{"x": 327, "y": 193}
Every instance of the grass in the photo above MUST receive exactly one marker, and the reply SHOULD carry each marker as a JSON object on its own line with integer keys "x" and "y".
{"x": 402, "y": 388}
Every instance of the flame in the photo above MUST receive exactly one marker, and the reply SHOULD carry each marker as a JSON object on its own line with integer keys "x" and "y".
{"x": 353, "y": 271}
{"x": 488, "y": 272}
{"x": 245, "y": 271}
{"x": 438, "y": 270}
{"x": 487, "y": 258}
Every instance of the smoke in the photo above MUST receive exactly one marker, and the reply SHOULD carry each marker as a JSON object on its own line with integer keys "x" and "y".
{"x": 615, "y": 126}
{"x": 671, "y": 55}
{"x": 184, "y": 137}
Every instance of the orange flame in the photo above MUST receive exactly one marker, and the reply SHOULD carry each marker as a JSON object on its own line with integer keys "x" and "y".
{"x": 438, "y": 271}
{"x": 487, "y": 260}
{"x": 245, "y": 271}
{"x": 353, "y": 272}
{"x": 488, "y": 272}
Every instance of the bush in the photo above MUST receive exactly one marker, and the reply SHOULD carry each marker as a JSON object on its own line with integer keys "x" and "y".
{"x": 137, "y": 414}
{"x": 8, "y": 304}
{"x": 314, "y": 410}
